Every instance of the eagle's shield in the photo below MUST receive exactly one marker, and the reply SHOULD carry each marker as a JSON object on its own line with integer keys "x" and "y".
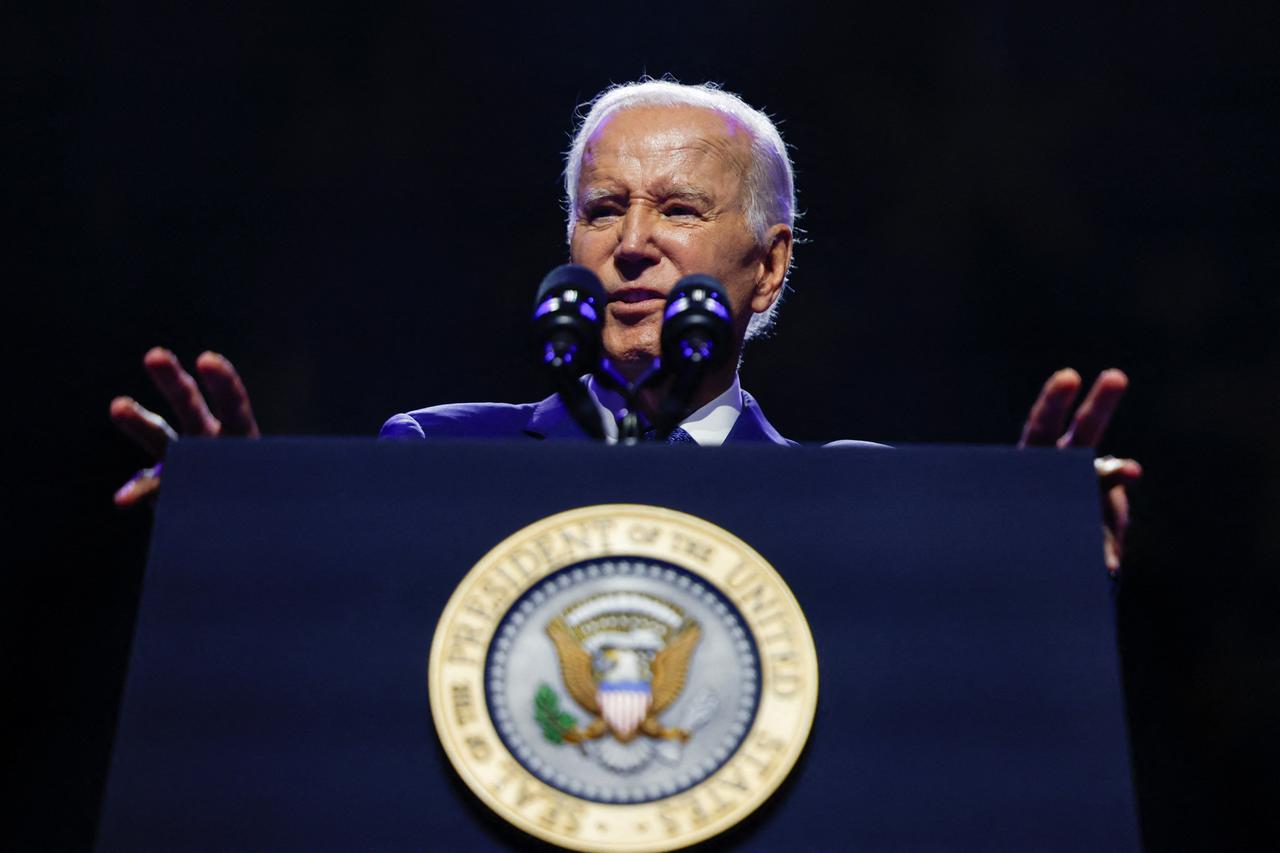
{"x": 624, "y": 705}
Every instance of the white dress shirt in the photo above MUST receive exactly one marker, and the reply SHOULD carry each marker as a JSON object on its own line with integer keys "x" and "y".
{"x": 709, "y": 425}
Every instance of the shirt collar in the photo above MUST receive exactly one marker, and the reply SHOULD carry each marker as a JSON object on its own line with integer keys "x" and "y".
{"x": 709, "y": 426}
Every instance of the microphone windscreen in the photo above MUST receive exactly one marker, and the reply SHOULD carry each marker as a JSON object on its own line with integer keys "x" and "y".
{"x": 690, "y": 283}
{"x": 697, "y": 326}
{"x": 571, "y": 277}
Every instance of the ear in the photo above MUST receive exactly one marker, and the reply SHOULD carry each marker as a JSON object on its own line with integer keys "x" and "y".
{"x": 775, "y": 259}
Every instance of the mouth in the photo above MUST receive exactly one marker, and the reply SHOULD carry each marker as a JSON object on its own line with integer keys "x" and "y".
{"x": 636, "y": 296}
{"x": 632, "y": 306}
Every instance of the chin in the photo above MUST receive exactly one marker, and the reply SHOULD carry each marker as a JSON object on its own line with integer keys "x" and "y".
{"x": 630, "y": 354}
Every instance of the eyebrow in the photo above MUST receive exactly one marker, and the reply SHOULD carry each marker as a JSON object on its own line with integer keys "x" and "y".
{"x": 598, "y": 194}
{"x": 686, "y": 193}
{"x": 681, "y": 192}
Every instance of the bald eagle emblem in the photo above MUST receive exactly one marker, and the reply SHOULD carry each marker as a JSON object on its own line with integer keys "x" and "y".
{"x": 624, "y": 658}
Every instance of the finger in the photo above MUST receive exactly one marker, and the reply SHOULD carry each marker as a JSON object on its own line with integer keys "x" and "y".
{"x": 1114, "y": 472}
{"x": 1090, "y": 422}
{"x": 1049, "y": 413}
{"x": 227, "y": 395}
{"x": 145, "y": 427}
{"x": 1112, "y": 552}
{"x": 1115, "y": 516}
{"x": 143, "y": 486}
{"x": 181, "y": 391}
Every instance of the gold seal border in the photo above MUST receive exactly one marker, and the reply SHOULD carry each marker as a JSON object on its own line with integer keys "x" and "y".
{"x": 784, "y": 716}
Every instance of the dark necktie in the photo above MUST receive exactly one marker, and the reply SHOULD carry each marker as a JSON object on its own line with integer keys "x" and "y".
{"x": 678, "y": 436}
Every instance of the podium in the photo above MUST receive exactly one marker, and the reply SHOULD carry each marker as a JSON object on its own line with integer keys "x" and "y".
{"x": 278, "y": 696}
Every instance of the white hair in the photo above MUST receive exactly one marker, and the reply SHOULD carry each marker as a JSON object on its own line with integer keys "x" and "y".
{"x": 769, "y": 185}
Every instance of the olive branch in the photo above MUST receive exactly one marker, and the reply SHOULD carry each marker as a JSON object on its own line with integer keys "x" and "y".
{"x": 555, "y": 723}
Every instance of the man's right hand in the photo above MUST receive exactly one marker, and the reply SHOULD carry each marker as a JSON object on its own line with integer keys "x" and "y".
{"x": 225, "y": 412}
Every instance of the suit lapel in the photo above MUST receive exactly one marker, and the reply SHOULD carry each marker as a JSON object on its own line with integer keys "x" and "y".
{"x": 551, "y": 420}
{"x": 751, "y": 425}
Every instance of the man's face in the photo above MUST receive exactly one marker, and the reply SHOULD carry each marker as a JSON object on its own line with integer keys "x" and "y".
{"x": 660, "y": 196}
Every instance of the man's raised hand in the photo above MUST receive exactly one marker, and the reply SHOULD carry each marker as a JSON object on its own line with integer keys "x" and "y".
{"x": 224, "y": 411}
{"x": 1047, "y": 427}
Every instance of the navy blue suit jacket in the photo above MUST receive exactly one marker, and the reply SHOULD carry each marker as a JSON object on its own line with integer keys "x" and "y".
{"x": 548, "y": 419}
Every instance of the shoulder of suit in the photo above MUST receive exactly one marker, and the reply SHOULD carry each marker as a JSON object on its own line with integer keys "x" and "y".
{"x": 752, "y": 424}
{"x": 749, "y": 404}
{"x": 459, "y": 420}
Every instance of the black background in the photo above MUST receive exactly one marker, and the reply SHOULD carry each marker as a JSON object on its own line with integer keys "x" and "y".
{"x": 355, "y": 206}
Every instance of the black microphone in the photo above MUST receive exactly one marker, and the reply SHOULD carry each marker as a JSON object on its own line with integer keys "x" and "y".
{"x": 566, "y": 320}
{"x": 697, "y": 326}
{"x": 697, "y": 337}
{"x": 566, "y": 338}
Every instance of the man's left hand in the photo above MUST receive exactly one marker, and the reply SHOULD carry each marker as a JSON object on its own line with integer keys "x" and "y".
{"x": 1047, "y": 427}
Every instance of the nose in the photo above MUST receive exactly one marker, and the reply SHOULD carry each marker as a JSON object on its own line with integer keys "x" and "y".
{"x": 636, "y": 248}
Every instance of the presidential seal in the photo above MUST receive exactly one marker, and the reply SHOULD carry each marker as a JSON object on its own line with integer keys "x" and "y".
{"x": 623, "y": 677}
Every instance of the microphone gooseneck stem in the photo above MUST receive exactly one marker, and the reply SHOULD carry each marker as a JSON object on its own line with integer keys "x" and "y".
{"x": 559, "y": 357}
{"x": 675, "y": 406}
{"x": 583, "y": 409}
{"x": 629, "y": 428}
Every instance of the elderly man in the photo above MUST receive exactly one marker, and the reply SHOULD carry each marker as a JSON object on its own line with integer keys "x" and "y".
{"x": 663, "y": 180}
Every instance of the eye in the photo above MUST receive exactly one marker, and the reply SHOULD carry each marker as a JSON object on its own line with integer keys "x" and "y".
{"x": 601, "y": 210}
{"x": 680, "y": 209}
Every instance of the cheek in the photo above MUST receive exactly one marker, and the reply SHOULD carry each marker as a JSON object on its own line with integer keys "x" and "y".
{"x": 585, "y": 247}
{"x": 689, "y": 251}
{"x": 720, "y": 255}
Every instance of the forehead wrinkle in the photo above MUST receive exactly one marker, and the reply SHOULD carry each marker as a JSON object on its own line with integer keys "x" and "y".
{"x": 731, "y": 144}
{"x": 674, "y": 178}
{"x": 725, "y": 149}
